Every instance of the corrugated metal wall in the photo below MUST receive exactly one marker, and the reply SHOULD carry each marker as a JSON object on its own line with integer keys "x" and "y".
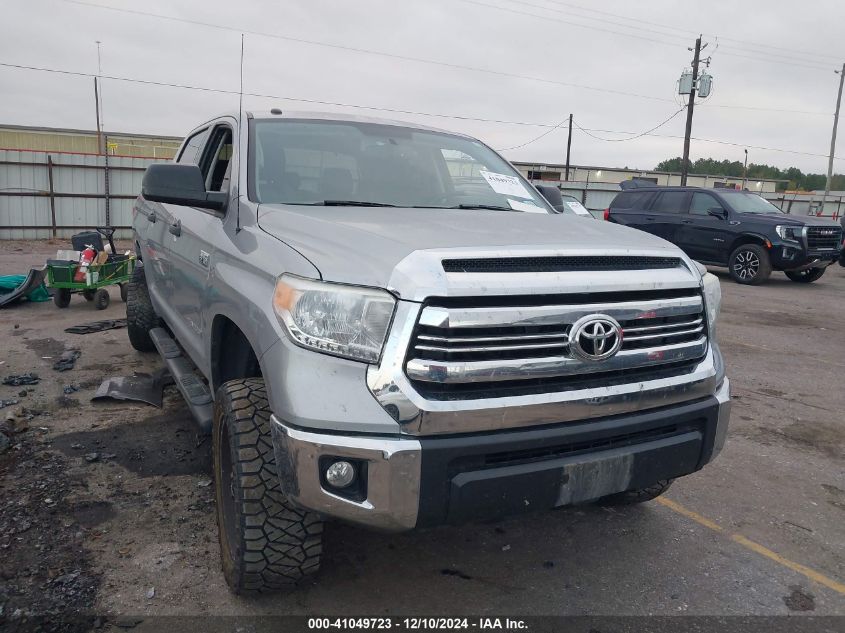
{"x": 78, "y": 193}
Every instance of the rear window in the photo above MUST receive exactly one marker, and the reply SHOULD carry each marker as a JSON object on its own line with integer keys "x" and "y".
{"x": 630, "y": 200}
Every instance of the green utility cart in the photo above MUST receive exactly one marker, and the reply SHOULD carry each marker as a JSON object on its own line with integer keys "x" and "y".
{"x": 116, "y": 271}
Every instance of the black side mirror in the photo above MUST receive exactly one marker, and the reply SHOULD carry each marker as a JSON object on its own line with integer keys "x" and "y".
{"x": 718, "y": 212}
{"x": 172, "y": 183}
{"x": 552, "y": 195}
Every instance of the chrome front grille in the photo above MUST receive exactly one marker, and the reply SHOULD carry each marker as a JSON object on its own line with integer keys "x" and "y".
{"x": 822, "y": 238}
{"x": 463, "y": 347}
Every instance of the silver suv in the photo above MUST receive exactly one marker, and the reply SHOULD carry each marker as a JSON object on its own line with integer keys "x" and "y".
{"x": 384, "y": 323}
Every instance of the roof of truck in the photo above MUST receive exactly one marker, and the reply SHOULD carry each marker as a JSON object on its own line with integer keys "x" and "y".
{"x": 336, "y": 116}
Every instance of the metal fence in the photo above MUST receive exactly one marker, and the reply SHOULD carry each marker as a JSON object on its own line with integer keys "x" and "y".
{"x": 54, "y": 194}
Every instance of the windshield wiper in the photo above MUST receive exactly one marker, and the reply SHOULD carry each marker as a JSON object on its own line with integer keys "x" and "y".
{"x": 352, "y": 203}
{"x": 492, "y": 207}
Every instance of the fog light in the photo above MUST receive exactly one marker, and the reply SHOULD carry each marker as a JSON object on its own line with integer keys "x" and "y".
{"x": 340, "y": 474}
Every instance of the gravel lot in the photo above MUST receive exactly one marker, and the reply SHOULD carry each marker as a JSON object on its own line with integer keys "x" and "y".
{"x": 132, "y": 531}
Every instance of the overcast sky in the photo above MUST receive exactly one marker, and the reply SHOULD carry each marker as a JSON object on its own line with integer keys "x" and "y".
{"x": 545, "y": 41}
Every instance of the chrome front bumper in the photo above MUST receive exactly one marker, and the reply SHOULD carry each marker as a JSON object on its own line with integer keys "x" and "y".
{"x": 395, "y": 474}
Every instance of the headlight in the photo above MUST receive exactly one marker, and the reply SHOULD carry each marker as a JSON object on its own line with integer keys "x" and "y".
{"x": 791, "y": 233}
{"x": 712, "y": 301}
{"x": 346, "y": 321}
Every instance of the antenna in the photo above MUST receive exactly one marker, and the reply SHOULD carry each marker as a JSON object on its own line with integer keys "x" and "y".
{"x": 240, "y": 109}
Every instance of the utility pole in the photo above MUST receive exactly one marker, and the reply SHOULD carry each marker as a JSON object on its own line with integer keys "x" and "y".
{"x": 97, "y": 112}
{"x": 690, "y": 106}
{"x": 833, "y": 137}
{"x": 745, "y": 170}
{"x": 568, "y": 146}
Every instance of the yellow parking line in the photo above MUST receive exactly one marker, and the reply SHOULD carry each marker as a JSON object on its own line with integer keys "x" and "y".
{"x": 755, "y": 547}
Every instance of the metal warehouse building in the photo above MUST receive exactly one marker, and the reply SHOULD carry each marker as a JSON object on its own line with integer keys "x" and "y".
{"x": 45, "y": 139}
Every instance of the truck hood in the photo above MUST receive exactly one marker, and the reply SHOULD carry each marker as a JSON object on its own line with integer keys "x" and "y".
{"x": 788, "y": 219}
{"x": 364, "y": 246}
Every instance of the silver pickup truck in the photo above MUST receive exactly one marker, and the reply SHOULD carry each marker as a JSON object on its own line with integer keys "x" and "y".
{"x": 384, "y": 323}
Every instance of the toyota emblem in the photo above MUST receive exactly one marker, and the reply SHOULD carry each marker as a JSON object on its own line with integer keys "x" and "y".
{"x": 595, "y": 337}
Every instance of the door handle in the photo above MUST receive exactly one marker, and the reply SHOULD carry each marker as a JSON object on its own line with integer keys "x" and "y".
{"x": 176, "y": 228}
{"x": 151, "y": 216}
{"x": 650, "y": 218}
{"x": 686, "y": 221}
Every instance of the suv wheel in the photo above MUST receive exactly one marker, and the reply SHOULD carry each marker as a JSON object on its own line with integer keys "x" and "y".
{"x": 140, "y": 315}
{"x": 807, "y": 276}
{"x": 266, "y": 543}
{"x": 750, "y": 264}
{"x": 630, "y": 497}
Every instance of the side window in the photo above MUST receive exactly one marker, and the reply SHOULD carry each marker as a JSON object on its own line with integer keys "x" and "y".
{"x": 670, "y": 202}
{"x": 217, "y": 160}
{"x": 191, "y": 151}
{"x": 630, "y": 200}
{"x": 701, "y": 202}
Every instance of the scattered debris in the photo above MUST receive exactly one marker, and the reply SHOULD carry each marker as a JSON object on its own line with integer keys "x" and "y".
{"x": 8, "y": 403}
{"x": 68, "y": 360}
{"x": 97, "y": 326}
{"x": 505, "y": 548}
{"x": 456, "y": 573}
{"x": 151, "y": 593}
{"x": 92, "y": 457}
{"x": 204, "y": 483}
{"x": 141, "y": 387}
{"x": 16, "y": 380}
{"x": 71, "y": 388}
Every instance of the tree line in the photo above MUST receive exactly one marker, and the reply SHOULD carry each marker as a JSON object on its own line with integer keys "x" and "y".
{"x": 794, "y": 179}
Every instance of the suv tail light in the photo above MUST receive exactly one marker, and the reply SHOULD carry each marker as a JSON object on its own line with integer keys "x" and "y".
{"x": 607, "y": 214}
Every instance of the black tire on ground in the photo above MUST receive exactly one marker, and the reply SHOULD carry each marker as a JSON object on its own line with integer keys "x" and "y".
{"x": 140, "y": 315}
{"x": 88, "y": 294}
{"x": 805, "y": 276}
{"x": 61, "y": 297}
{"x": 750, "y": 264}
{"x": 266, "y": 543}
{"x": 102, "y": 299}
{"x": 630, "y": 497}
{"x": 124, "y": 292}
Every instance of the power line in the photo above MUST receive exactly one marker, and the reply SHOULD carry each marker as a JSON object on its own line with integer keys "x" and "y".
{"x": 632, "y": 35}
{"x": 641, "y": 134}
{"x": 675, "y": 28}
{"x": 150, "y": 82}
{"x": 546, "y": 133}
{"x": 353, "y": 49}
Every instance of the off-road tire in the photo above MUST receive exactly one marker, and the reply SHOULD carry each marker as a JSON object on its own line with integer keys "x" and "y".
{"x": 630, "y": 497}
{"x": 140, "y": 315}
{"x": 743, "y": 268}
{"x": 88, "y": 294}
{"x": 266, "y": 543}
{"x": 102, "y": 299}
{"x": 61, "y": 297}
{"x": 806, "y": 276}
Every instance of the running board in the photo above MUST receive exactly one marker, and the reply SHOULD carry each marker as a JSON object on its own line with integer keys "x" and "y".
{"x": 194, "y": 390}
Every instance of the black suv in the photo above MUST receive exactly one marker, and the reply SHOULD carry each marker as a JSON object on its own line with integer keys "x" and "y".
{"x": 737, "y": 229}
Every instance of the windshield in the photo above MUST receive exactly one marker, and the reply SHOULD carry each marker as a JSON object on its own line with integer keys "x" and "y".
{"x": 342, "y": 163}
{"x": 750, "y": 203}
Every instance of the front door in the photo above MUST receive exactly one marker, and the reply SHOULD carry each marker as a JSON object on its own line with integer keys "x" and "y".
{"x": 701, "y": 235}
{"x": 193, "y": 234}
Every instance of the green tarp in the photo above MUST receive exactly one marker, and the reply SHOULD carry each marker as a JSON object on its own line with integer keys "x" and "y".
{"x": 8, "y": 283}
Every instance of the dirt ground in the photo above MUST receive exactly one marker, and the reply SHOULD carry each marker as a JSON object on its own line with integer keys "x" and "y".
{"x": 106, "y": 508}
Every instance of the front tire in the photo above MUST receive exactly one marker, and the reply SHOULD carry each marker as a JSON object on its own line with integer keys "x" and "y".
{"x": 807, "y": 276}
{"x": 140, "y": 315}
{"x": 641, "y": 495}
{"x": 750, "y": 264}
{"x": 266, "y": 543}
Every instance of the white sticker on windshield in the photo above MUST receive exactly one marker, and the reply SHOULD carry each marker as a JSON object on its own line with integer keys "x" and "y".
{"x": 505, "y": 185}
{"x": 528, "y": 207}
